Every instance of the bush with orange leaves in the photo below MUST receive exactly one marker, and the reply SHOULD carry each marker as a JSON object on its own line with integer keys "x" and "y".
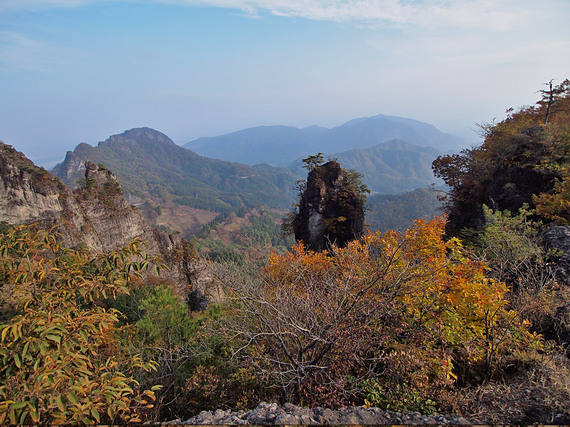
{"x": 389, "y": 318}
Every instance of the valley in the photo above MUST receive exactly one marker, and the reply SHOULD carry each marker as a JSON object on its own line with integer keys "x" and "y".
{"x": 262, "y": 212}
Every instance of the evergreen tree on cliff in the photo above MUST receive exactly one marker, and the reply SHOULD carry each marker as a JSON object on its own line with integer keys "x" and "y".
{"x": 331, "y": 205}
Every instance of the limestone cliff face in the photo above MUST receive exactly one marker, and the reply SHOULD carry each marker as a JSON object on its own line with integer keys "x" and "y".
{"x": 96, "y": 215}
{"x": 330, "y": 209}
{"x": 26, "y": 191}
{"x": 106, "y": 219}
{"x": 71, "y": 170}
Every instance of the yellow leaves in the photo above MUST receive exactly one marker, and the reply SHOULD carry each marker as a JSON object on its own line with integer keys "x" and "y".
{"x": 4, "y": 333}
{"x": 55, "y": 353}
{"x": 431, "y": 282}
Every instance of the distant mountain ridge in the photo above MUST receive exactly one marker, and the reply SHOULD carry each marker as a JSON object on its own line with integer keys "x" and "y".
{"x": 392, "y": 167}
{"x": 279, "y": 145}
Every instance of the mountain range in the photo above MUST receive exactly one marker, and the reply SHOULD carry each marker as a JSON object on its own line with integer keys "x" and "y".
{"x": 280, "y": 145}
{"x": 393, "y": 154}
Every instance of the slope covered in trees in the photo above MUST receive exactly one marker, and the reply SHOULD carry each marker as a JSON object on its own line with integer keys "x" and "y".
{"x": 523, "y": 159}
{"x": 391, "y": 167}
{"x": 181, "y": 190}
{"x": 149, "y": 164}
{"x": 509, "y": 202}
{"x": 398, "y": 211}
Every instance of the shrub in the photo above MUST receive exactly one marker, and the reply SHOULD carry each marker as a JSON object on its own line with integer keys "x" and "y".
{"x": 392, "y": 309}
{"x": 60, "y": 359}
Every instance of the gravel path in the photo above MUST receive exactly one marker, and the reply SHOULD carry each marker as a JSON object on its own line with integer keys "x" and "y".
{"x": 272, "y": 413}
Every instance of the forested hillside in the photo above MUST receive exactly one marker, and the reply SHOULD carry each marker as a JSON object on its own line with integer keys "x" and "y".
{"x": 397, "y": 212}
{"x": 150, "y": 165}
{"x": 180, "y": 191}
{"x": 392, "y": 167}
{"x": 523, "y": 160}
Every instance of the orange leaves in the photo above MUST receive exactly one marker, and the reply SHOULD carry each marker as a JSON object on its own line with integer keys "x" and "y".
{"x": 390, "y": 310}
{"x": 287, "y": 267}
{"x": 427, "y": 280}
{"x": 556, "y": 206}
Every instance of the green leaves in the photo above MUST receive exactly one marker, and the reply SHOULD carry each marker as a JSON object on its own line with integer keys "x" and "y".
{"x": 95, "y": 414}
{"x": 60, "y": 404}
{"x": 314, "y": 161}
{"x": 60, "y": 358}
{"x": 73, "y": 398}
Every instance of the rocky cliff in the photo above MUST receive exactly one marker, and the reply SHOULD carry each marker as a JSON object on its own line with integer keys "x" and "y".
{"x": 27, "y": 192}
{"x": 330, "y": 208}
{"x": 96, "y": 215}
{"x": 502, "y": 174}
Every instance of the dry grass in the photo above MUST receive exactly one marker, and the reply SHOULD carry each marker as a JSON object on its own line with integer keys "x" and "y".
{"x": 538, "y": 391}
{"x": 184, "y": 219}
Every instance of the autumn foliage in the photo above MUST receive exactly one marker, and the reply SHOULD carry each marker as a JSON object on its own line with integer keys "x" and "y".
{"x": 60, "y": 357}
{"x": 417, "y": 320}
{"x": 523, "y": 160}
{"x": 391, "y": 317}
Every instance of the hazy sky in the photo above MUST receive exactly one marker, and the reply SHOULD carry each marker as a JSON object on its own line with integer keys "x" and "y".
{"x": 76, "y": 71}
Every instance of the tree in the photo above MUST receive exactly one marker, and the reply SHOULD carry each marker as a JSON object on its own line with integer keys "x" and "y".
{"x": 313, "y": 162}
{"x": 60, "y": 358}
{"x": 552, "y": 95}
{"x": 523, "y": 159}
{"x": 510, "y": 246}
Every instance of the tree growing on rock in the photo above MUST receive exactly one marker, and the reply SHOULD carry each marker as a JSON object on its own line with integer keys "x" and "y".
{"x": 523, "y": 160}
{"x": 331, "y": 206}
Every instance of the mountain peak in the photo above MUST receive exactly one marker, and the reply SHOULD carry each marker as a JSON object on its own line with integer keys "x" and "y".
{"x": 142, "y": 134}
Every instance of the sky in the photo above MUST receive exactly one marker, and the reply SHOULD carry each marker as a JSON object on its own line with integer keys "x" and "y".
{"x": 75, "y": 71}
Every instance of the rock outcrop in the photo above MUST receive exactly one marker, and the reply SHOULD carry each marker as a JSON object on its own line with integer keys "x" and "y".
{"x": 508, "y": 178}
{"x": 330, "y": 209}
{"x": 72, "y": 169}
{"x": 288, "y": 414}
{"x": 27, "y": 192}
{"x": 96, "y": 215}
